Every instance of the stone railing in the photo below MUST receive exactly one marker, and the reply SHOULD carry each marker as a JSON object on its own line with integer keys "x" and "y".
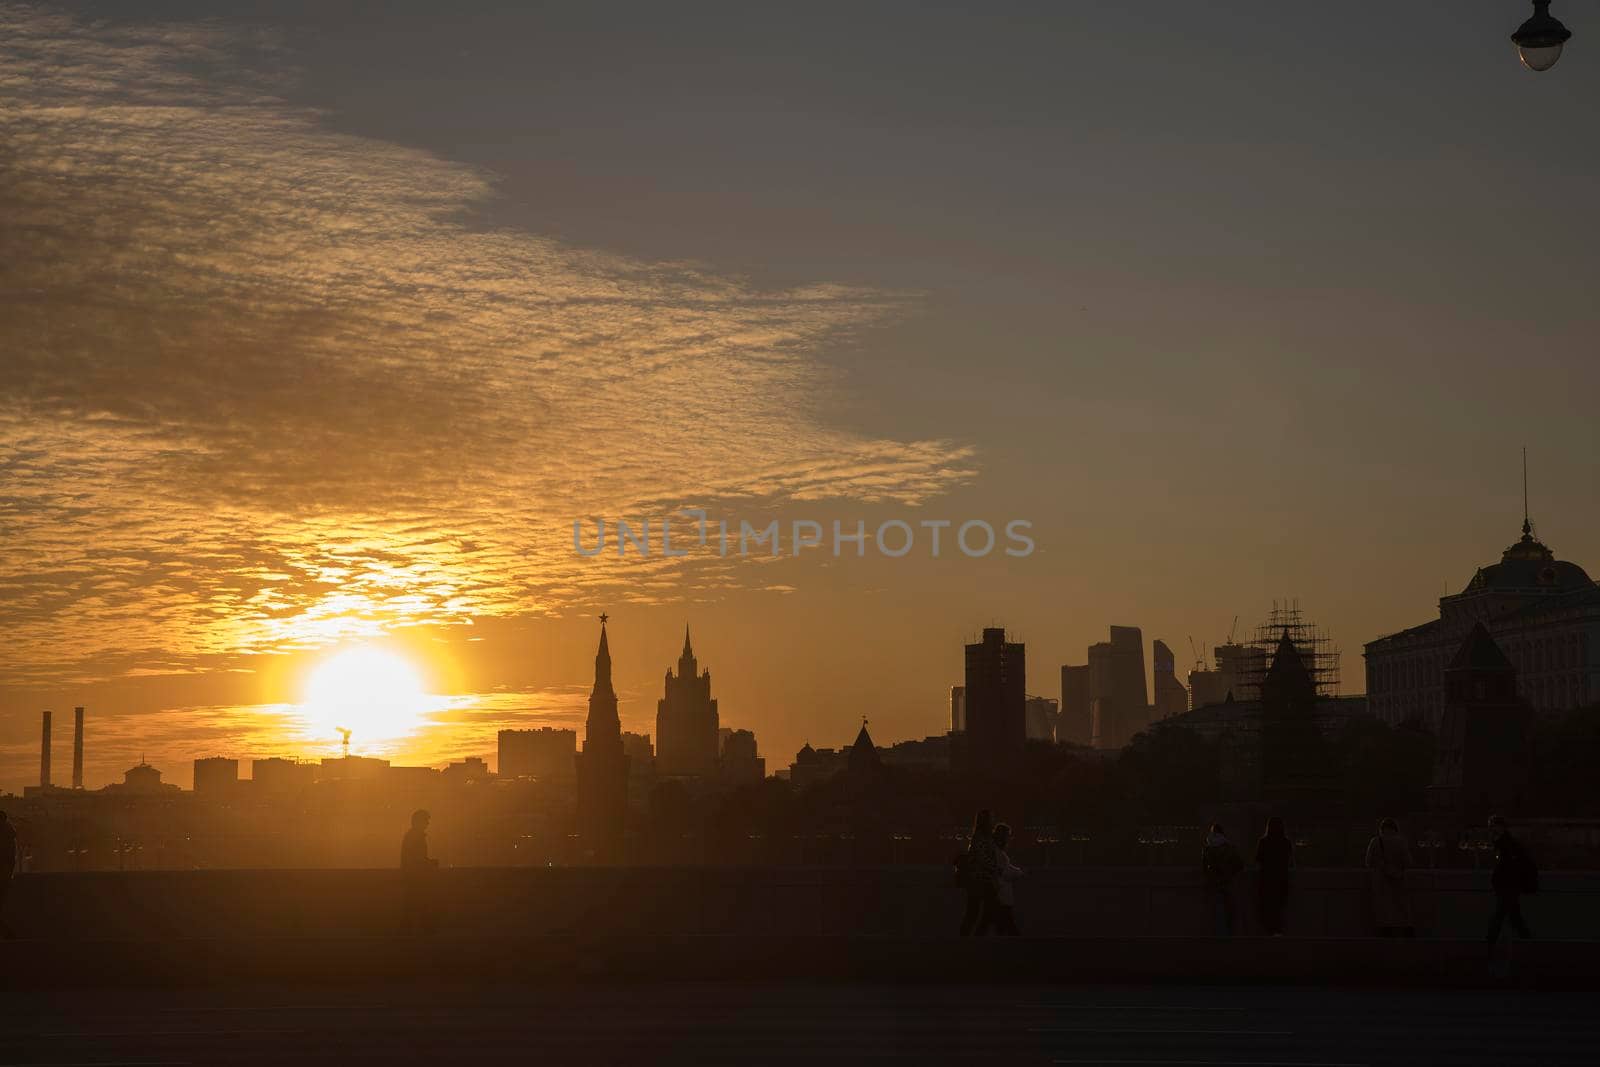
{"x": 755, "y": 902}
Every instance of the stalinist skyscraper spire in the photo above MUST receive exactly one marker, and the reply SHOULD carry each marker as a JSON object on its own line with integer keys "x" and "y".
{"x": 602, "y": 768}
{"x": 687, "y": 739}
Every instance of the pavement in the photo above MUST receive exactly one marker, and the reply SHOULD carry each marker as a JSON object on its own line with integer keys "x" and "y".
{"x": 594, "y": 958}
{"x": 666, "y": 1021}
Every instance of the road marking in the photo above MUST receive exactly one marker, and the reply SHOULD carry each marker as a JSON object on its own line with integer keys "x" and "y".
{"x": 1148, "y": 1030}
{"x": 166, "y": 1033}
{"x": 1218, "y": 1063}
{"x": 1091, "y": 1006}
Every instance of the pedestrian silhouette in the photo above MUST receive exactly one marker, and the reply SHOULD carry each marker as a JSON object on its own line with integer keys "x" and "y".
{"x": 1514, "y": 874}
{"x": 1006, "y": 872}
{"x": 417, "y": 875}
{"x": 1388, "y": 858}
{"x": 1274, "y": 857}
{"x": 977, "y": 870}
{"x": 1220, "y": 865}
{"x": 8, "y": 868}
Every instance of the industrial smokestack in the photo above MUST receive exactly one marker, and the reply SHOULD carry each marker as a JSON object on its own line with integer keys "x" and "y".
{"x": 77, "y": 748}
{"x": 44, "y": 753}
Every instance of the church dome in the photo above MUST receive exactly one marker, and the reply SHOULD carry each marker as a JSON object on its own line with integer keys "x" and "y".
{"x": 1529, "y": 565}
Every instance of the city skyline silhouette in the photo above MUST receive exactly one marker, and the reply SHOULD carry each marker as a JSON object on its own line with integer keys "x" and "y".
{"x": 726, "y": 533}
{"x": 481, "y": 280}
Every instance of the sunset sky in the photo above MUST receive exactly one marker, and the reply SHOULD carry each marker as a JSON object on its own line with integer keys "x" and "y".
{"x": 321, "y": 323}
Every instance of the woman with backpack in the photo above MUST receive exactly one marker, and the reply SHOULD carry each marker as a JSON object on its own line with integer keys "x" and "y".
{"x": 1220, "y": 865}
{"x": 978, "y": 872}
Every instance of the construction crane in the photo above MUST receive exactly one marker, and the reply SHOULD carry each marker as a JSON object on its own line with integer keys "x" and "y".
{"x": 344, "y": 744}
{"x": 1199, "y": 657}
{"x": 1232, "y": 628}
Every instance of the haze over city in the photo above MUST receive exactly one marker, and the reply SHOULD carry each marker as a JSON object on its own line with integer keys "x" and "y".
{"x": 320, "y": 331}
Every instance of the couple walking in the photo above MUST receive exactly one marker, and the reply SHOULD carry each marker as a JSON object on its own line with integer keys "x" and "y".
{"x": 987, "y": 873}
{"x": 1389, "y": 857}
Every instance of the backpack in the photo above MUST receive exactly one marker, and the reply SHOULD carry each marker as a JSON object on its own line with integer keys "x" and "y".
{"x": 1231, "y": 863}
{"x": 963, "y": 864}
{"x": 1222, "y": 862}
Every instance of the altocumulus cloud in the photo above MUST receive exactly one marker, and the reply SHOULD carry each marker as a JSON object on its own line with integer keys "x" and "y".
{"x": 263, "y": 387}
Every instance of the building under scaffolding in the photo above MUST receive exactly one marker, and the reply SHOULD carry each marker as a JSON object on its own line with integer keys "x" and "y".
{"x": 1317, "y": 652}
{"x": 1279, "y": 707}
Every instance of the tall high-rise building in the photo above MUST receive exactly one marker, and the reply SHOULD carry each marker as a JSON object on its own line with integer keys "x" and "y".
{"x": 77, "y": 748}
{"x": 546, "y": 754}
{"x": 1103, "y": 709}
{"x": 1074, "y": 726}
{"x": 602, "y": 766}
{"x": 1235, "y": 664}
{"x": 1171, "y": 697}
{"x": 687, "y": 742}
{"x": 741, "y": 764}
{"x": 958, "y": 709}
{"x": 1118, "y": 705}
{"x": 1205, "y": 688}
{"x": 1039, "y": 718}
{"x": 216, "y": 776}
{"x": 996, "y": 705}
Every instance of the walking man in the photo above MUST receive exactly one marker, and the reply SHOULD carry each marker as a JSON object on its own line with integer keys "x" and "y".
{"x": 417, "y": 874}
{"x": 1220, "y": 864}
{"x": 8, "y": 867}
{"x": 1514, "y": 874}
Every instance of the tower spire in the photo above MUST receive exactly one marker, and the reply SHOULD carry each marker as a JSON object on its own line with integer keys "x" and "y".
{"x": 602, "y": 660}
{"x": 1527, "y": 526}
{"x": 602, "y": 766}
{"x": 687, "y": 650}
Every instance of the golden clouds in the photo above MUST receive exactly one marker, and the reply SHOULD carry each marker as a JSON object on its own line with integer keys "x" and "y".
{"x": 265, "y": 388}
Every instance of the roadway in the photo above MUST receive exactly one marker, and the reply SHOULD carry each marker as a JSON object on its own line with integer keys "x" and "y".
{"x": 788, "y": 1022}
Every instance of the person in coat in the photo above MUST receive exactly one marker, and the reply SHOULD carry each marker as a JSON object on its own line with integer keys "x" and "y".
{"x": 417, "y": 871}
{"x": 1388, "y": 859}
{"x": 1220, "y": 865}
{"x": 1514, "y": 874}
{"x": 1005, "y": 921}
{"x": 980, "y": 871}
{"x": 1274, "y": 857}
{"x": 8, "y": 869}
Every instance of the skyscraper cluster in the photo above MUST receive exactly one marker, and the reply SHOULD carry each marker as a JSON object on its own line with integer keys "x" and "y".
{"x": 1104, "y": 702}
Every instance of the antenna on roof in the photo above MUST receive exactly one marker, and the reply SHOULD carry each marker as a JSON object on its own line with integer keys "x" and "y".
{"x": 1527, "y": 526}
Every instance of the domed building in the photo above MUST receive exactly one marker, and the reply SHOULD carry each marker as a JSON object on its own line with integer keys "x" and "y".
{"x": 1543, "y": 612}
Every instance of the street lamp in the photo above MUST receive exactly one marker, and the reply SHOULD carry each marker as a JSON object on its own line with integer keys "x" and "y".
{"x": 1539, "y": 40}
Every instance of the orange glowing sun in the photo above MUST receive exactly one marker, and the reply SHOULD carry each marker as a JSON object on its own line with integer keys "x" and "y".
{"x": 374, "y": 693}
